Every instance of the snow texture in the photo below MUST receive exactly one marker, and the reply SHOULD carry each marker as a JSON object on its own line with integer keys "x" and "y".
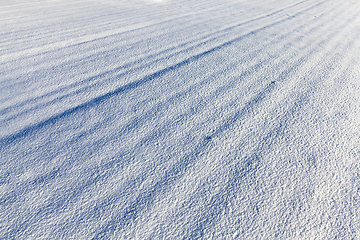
{"x": 180, "y": 119}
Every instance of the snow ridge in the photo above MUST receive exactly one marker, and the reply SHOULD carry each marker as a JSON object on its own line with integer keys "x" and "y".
{"x": 179, "y": 119}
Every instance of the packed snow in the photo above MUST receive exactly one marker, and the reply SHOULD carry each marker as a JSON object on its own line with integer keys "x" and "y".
{"x": 180, "y": 119}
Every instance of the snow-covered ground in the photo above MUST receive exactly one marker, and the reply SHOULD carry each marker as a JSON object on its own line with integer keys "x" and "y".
{"x": 179, "y": 119}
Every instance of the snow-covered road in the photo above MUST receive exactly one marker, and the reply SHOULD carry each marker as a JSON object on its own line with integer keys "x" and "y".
{"x": 180, "y": 119}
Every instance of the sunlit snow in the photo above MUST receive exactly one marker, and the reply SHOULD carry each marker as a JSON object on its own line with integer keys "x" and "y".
{"x": 180, "y": 119}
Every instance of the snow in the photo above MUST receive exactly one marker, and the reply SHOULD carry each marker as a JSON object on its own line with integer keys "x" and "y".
{"x": 149, "y": 119}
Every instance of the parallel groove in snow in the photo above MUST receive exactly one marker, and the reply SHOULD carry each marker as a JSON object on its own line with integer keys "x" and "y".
{"x": 119, "y": 223}
{"x": 225, "y": 134}
{"x": 165, "y": 70}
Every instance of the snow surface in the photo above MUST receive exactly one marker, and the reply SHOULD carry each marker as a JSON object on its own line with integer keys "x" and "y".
{"x": 180, "y": 119}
